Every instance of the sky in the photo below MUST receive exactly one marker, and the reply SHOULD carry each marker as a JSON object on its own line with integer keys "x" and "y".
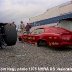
{"x": 22, "y": 10}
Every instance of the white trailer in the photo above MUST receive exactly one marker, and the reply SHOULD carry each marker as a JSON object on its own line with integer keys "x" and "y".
{"x": 57, "y": 16}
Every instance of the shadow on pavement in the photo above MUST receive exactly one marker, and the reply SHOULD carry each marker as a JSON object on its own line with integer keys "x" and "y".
{"x": 60, "y": 48}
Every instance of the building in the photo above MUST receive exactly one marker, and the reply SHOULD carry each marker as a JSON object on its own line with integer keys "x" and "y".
{"x": 57, "y": 16}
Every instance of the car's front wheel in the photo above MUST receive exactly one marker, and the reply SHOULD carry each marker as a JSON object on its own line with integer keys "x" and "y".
{"x": 19, "y": 39}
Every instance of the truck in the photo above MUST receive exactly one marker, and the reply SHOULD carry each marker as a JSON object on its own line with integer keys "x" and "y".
{"x": 8, "y": 34}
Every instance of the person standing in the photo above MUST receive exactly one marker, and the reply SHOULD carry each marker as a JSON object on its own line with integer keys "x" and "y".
{"x": 28, "y": 27}
{"x": 14, "y": 24}
{"x": 22, "y": 27}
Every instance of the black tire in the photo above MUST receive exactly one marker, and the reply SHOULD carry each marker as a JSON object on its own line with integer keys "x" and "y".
{"x": 10, "y": 34}
{"x": 41, "y": 43}
{"x": 19, "y": 39}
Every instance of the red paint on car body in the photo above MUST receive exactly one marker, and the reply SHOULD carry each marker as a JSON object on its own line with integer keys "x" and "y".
{"x": 53, "y": 36}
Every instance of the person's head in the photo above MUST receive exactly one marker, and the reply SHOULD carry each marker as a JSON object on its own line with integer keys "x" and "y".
{"x": 21, "y": 22}
{"x": 13, "y": 22}
{"x": 27, "y": 23}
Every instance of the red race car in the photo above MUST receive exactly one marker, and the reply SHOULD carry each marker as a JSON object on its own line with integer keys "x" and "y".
{"x": 52, "y": 36}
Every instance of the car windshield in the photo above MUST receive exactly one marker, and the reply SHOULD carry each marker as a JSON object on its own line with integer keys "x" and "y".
{"x": 37, "y": 31}
{"x": 24, "y": 32}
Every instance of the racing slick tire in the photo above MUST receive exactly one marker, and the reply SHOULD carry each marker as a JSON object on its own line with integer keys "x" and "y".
{"x": 10, "y": 34}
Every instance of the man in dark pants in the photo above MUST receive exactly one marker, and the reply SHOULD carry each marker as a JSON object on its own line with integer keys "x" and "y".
{"x": 28, "y": 27}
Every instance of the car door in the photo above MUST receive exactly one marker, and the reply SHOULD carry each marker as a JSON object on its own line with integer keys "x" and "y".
{"x": 31, "y": 36}
{"x": 34, "y": 35}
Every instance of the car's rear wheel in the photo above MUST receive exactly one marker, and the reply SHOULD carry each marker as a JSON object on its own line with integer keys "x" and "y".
{"x": 10, "y": 36}
{"x": 41, "y": 43}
